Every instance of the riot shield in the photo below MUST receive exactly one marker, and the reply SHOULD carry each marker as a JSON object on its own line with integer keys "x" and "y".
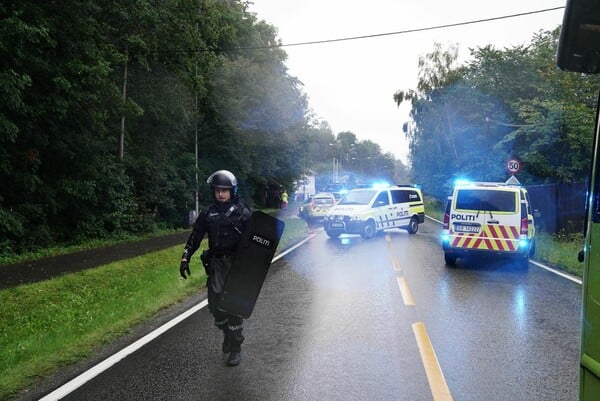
{"x": 251, "y": 262}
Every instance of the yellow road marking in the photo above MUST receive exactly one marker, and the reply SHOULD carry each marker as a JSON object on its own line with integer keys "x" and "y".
{"x": 437, "y": 382}
{"x": 396, "y": 264}
{"x": 405, "y": 291}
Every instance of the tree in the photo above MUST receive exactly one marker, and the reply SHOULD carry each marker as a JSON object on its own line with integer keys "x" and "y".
{"x": 468, "y": 120}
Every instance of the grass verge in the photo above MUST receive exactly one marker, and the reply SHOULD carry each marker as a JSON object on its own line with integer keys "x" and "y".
{"x": 560, "y": 251}
{"x": 53, "y": 323}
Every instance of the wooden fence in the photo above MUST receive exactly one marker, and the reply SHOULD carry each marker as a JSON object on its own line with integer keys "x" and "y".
{"x": 562, "y": 206}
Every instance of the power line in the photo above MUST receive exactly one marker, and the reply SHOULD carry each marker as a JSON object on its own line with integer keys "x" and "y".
{"x": 431, "y": 28}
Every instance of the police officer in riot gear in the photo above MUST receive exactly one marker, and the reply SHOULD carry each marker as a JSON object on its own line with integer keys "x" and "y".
{"x": 224, "y": 221}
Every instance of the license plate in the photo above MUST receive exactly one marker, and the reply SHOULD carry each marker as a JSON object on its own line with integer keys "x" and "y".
{"x": 336, "y": 225}
{"x": 466, "y": 229}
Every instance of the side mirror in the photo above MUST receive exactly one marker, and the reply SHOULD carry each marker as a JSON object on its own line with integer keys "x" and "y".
{"x": 581, "y": 256}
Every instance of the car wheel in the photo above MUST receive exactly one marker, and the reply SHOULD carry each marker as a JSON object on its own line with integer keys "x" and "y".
{"x": 450, "y": 259}
{"x": 413, "y": 226}
{"x": 368, "y": 230}
{"x": 333, "y": 233}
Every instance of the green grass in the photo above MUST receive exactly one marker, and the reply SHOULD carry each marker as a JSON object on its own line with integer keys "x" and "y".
{"x": 434, "y": 208}
{"x": 560, "y": 251}
{"x": 50, "y": 324}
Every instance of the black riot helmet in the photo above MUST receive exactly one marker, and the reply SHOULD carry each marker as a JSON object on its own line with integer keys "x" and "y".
{"x": 223, "y": 179}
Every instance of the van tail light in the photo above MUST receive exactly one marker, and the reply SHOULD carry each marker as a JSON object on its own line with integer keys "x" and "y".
{"x": 447, "y": 216}
{"x": 524, "y": 223}
{"x": 524, "y": 226}
{"x": 446, "y": 221}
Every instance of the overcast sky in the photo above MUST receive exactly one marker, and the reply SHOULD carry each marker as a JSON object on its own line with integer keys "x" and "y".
{"x": 350, "y": 84}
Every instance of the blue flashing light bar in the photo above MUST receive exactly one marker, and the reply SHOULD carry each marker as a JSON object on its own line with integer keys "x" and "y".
{"x": 381, "y": 185}
{"x": 462, "y": 181}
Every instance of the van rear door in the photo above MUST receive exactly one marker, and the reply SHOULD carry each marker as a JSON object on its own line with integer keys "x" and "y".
{"x": 485, "y": 219}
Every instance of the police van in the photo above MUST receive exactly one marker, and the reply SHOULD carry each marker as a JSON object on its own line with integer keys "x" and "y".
{"x": 488, "y": 219}
{"x": 366, "y": 211}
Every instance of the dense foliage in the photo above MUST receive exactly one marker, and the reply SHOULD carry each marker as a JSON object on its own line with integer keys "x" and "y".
{"x": 468, "y": 120}
{"x": 101, "y": 103}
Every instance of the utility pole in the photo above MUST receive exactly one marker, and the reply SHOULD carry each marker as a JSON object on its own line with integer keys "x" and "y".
{"x": 196, "y": 195}
{"x": 122, "y": 135}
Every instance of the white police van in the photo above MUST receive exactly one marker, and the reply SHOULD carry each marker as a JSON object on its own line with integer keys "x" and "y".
{"x": 488, "y": 218}
{"x": 366, "y": 211}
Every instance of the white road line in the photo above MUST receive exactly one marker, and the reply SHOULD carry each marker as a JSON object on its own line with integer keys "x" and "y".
{"x": 558, "y": 272}
{"x": 88, "y": 375}
{"x": 282, "y": 254}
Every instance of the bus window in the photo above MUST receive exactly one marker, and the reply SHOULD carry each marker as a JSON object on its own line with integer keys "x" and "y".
{"x": 579, "y": 51}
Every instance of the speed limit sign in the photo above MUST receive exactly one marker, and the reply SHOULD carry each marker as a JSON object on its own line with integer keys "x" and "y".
{"x": 513, "y": 166}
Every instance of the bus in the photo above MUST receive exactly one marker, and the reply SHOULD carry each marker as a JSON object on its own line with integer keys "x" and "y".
{"x": 579, "y": 52}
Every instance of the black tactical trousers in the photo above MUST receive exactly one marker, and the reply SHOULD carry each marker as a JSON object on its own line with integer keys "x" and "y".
{"x": 231, "y": 325}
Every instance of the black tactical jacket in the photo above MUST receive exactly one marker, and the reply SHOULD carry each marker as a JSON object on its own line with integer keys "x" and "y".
{"x": 224, "y": 223}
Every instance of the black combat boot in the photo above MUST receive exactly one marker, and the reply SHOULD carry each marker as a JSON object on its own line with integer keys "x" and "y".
{"x": 234, "y": 359}
{"x": 234, "y": 334}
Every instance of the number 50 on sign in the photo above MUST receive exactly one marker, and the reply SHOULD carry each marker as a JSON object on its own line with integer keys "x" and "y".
{"x": 513, "y": 166}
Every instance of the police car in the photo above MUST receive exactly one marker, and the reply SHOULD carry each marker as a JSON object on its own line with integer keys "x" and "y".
{"x": 366, "y": 211}
{"x": 488, "y": 218}
{"x": 317, "y": 207}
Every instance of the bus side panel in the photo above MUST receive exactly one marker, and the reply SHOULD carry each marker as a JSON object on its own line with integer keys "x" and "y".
{"x": 589, "y": 386}
{"x": 590, "y": 325}
{"x": 590, "y": 346}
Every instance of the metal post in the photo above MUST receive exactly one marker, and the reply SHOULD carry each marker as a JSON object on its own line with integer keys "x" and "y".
{"x": 196, "y": 196}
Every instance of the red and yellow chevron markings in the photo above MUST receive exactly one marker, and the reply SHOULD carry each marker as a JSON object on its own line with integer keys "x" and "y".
{"x": 491, "y": 238}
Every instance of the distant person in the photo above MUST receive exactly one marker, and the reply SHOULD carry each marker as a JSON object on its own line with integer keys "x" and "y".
{"x": 224, "y": 220}
{"x": 284, "y": 199}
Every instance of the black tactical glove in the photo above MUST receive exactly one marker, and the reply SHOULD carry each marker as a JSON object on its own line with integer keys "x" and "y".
{"x": 184, "y": 267}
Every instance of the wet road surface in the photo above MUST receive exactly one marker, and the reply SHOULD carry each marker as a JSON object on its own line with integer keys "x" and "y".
{"x": 336, "y": 320}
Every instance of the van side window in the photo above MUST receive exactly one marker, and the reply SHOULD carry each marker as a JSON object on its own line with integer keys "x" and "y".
{"x": 382, "y": 200}
{"x": 399, "y": 196}
{"x": 413, "y": 196}
{"x": 403, "y": 196}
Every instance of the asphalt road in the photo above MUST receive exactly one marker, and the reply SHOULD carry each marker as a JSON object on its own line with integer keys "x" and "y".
{"x": 344, "y": 320}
